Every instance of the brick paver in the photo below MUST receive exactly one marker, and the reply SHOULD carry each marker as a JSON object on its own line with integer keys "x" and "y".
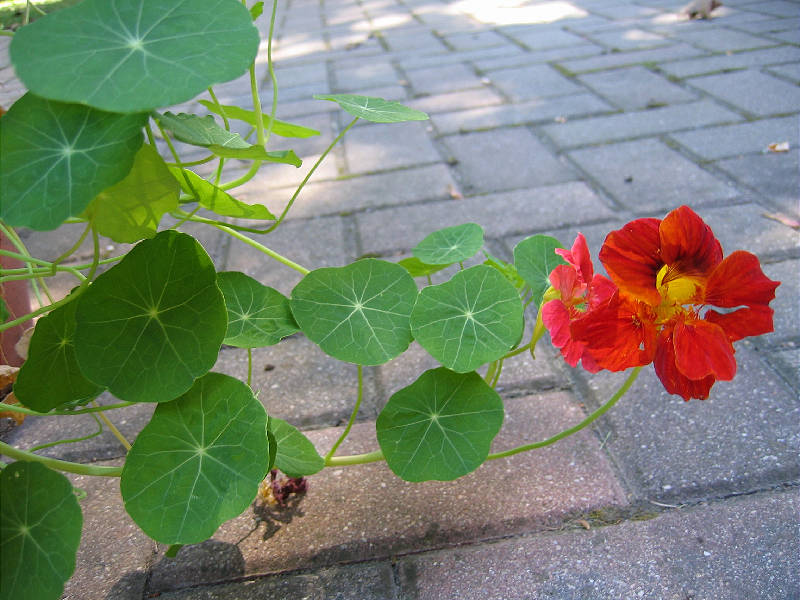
{"x": 546, "y": 117}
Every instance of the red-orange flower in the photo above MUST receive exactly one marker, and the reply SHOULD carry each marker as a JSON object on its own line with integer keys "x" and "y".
{"x": 669, "y": 274}
{"x": 577, "y": 289}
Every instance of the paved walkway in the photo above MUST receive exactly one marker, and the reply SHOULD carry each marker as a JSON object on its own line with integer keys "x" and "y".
{"x": 551, "y": 117}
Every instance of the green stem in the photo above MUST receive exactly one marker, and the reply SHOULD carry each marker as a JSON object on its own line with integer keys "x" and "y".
{"x": 490, "y": 371}
{"x": 74, "y": 247}
{"x": 499, "y": 370}
{"x": 354, "y": 459}
{"x": 117, "y": 433}
{"x": 60, "y": 465}
{"x": 193, "y": 163}
{"x": 261, "y": 248}
{"x": 82, "y": 411}
{"x": 352, "y": 420}
{"x": 71, "y": 440}
{"x": 271, "y": 71}
{"x": 517, "y": 351}
{"x": 249, "y": 367}
{"x": 226, "y": 123}
{"x": 309, "y": 174}
{"x": 567, "y": 432}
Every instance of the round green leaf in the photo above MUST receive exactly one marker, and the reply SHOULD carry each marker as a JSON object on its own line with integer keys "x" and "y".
{"x": 296, "y": 455}
{"x": 215, "y": 199}
{"x": 198, "y": 462}
{"x": 374, "y": 109}
{"x": 50, "y": 376}
{"x": 450, "y": 245}
{"x": 57, "y": 157}
{"x": 474, "y": 318}
{"x": 440, "y": 427}
{"x": 535, "y": 258}
{"x": 257, "y": 315}
{"x": 149, "y": 326}
{"x": 134, "y": 55}
{"x": 132, "y": 209}
{"x": 40, "y": 529}
{"x": 358, "y": 313}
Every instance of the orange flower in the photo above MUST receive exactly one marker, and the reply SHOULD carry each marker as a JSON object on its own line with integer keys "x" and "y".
{"x": 669, "y": 274}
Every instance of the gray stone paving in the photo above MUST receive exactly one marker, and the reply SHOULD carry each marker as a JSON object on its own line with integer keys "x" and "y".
{"x": 546, "y": 117}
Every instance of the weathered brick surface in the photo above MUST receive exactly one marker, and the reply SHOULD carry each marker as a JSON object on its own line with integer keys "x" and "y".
{"x": 357, "y": 513}
{"x": 681, "y": 554}
{"x": 540, "y": 113}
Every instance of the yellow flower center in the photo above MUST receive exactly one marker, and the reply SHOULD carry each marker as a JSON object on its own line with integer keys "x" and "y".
{"x": 676, "y": 291}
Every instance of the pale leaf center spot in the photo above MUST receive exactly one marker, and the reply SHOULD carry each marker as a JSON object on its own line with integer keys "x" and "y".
{"x": 135, "y": 44}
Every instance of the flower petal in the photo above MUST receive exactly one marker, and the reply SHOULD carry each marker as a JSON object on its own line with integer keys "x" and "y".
{"x": 618, "y": 334}
{"x": 739, "y": 281}
{"x": 702, "y": 348}
{"x": 632, "y": 258}
{"x": 744, "y": 322}
{"x": 564, "y": 280}
{"x": 579, "y": 257}
{"x": 556, "y": 317}
{"x": 671, "y": 378}
{"x": 687, "y": 244}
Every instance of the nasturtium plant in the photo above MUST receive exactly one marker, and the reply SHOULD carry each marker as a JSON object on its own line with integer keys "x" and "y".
{"x": 40, "y": 529}
{"x": 257, "y": 315}
{"x": 131, "y": 210}
{"x": 137, "y": 324}
{"x": 295, "y": 455}
{"x": 200, "y": 131}
{"x": 148, "y": 325}
{"x": 472, "y": 319}
{"x": 215, "y": 199}
{"x": 440, "y": 427}
{"x": 134, "y": 55}
{"x": 450, "y": 245}
{"x": 57, "y": 157}
{"x": 198, "y": 462}
{"x": 372, "y": 109}
{"x": 358, "y": 313}
{"x": 534, "y": 259}
{"x": 52, "y": 359}
{"x": 278, "y": 127}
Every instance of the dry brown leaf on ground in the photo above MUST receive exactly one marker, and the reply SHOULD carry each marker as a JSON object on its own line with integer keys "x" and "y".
{"x": 23, "y": 343}
{"x": 778, "y": 147}
{"x": 8, "y": 375}
{"x": 454, "y": 193}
